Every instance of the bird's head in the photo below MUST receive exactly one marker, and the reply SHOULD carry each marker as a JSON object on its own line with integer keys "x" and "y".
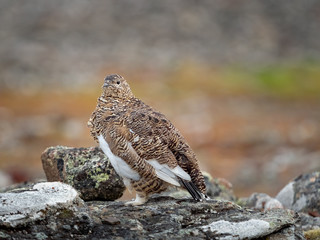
{"x": 116, "y": 86}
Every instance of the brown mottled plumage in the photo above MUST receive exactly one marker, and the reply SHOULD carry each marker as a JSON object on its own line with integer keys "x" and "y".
{"x": 142, "y": 145}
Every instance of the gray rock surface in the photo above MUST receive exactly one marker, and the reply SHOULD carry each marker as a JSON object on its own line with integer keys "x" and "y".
{"x": 308, "y": 222}
{"x": 302, "y": 194}
{"x": 5, "y": 179}
{"x": 159, "y": 218}
{"x": 23, "y": 206}
{"x": 252, "y": 228}
{"x": 262, "y": 201}
{"x": 88, "y": 170}
{"x": 219, "y": 188}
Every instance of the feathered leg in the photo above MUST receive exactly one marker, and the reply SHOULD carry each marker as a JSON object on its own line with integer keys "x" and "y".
{"x": 141, "y": 198}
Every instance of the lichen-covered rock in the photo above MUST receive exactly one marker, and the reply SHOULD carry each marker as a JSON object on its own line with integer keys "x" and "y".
{"x": 88, "y": 170}
{"x": 23, "y": 206}
{"x": 160, "y": 218}
{"x": 302, "y": 194}
{"x": 167, "y": 218}
{"x": 286, "y": 234}
{"x": 252, "y": 228}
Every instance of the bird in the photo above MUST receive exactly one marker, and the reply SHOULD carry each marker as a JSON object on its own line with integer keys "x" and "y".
{"x": 143, "y": 146}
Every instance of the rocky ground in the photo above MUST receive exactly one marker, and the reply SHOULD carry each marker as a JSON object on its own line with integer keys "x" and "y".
{"x": 160, "y": 218}
{"x": 55, "y": 210}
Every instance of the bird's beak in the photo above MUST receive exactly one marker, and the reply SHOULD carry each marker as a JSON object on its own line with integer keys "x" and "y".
{"x": 105, "y": 84}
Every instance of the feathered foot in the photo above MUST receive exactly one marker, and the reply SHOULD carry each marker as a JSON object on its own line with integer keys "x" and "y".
{"x": 140, "y": 199}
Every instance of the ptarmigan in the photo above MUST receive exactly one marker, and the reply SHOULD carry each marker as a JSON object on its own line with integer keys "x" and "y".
{"x": 143, "y": 146}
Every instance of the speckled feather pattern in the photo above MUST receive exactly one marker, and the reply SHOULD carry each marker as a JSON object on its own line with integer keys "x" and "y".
{"x": 137, "y": 133}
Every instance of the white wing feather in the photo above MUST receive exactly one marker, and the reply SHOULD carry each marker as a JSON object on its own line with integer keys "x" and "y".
{"x": 169, "y": 175}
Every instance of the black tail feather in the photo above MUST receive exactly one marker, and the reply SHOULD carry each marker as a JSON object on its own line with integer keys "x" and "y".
{"x": 205, "y": 196}
{"x": 192, "y": 189}
{"x": 197, "y": 190}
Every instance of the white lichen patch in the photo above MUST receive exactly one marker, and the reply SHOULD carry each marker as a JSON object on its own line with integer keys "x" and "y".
{"x": 31, "y": 204}
{"x": 225, "y": 230}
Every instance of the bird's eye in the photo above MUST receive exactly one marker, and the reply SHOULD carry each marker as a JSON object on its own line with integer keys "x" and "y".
{"x": 118, "y": 82}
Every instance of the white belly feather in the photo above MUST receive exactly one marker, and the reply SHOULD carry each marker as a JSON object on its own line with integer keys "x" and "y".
{"x": 162, "y": 170}
{"x": 121, "y": 167}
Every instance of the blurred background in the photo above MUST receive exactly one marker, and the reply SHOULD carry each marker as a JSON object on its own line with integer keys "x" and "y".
{"x": 239, "y": 78}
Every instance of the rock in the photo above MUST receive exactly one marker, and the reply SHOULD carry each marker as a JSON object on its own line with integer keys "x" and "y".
{"x": 20, "y": 186}
{"x": 302, "y": 194}
{"x": 168, "y": 218}
{"x": 308, "y": 222}
{"x": 160, "y": 218}
{"x": 88, "y": 170}
{"x": 246, "y": 229}
{"x": 286, "y": 234}
{"x": 262, "y": 201}
{"x": 218, "y": 188}
{"x": 5, "y": 179}
{"x": 23, "y": 206}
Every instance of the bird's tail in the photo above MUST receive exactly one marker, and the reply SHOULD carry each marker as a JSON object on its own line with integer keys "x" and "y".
{"x": 193, "y": 190}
